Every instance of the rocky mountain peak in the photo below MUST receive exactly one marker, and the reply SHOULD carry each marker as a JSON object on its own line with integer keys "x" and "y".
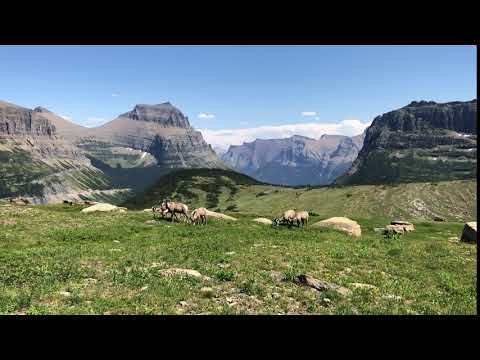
{"x": 164, "y": 114}
{"x": 421, "y": 103}
{"x": 40, "y": 109}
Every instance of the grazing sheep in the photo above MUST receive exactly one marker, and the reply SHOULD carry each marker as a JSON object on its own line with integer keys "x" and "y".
{"x": 162, "y": 209}
{"x": 301, "y": 217}
{"x": 199, "y": 214}
{"x": 173, "y": 208}
{"x": 287, "y": 217}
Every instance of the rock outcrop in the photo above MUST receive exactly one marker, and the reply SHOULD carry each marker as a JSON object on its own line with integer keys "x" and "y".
{"x": 103, "y": 207}
{"x": 423, "y": 141}
{"x": 469, "y": 233}
{"x": 263, "y": 221}
{"x": 297, "y": 160}
{"x": 346, "y": 225}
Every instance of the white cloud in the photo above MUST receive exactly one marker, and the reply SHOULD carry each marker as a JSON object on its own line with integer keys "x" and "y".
{"x": 94, "y": 122}
{"x": 205, "y": 116}
{"x": 226, "y": 137}
{"x": 309, "y": 113}
{"x": 66, "y": 117}
{"x": 115, "y": 95}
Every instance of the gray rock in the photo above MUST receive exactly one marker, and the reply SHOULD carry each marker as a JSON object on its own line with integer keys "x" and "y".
{"x": 469, "y": 233}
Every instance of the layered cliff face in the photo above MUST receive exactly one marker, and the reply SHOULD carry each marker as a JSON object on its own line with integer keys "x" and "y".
{"x": 297, "y": 160}
{"x": 18, "y": 121}
{"x": 37, "y": 163}
{"x": 423, "y": 141}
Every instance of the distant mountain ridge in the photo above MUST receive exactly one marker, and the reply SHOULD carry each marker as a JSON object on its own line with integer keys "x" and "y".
{"x": 297, "y": 160}
{"x": 423, "y": 141}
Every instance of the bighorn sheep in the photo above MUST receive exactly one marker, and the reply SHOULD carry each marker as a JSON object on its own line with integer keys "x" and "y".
{"x": 199, "y": 214}
{"x": 173, "y": 208}
{"x": 301, "y": 217}
{"x": 287, "y": 217}
{"x": 162, "y": 209}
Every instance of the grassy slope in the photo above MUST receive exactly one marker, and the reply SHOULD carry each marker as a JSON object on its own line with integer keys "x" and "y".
{"x": 416, "y": 165}
{"x": 105, "y": 260}
{"x": 453, "y": 200}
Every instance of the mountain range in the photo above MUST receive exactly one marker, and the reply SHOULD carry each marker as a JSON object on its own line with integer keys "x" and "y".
{"x": 297, "y": 160}
{"x": 47, "y": 158}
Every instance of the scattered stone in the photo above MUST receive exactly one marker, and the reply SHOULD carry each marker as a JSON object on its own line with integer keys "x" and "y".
{"x": 343, "y": 291}
{"x": 320, "y": 285}
{"x": 344, "y": 224}
{"x": 392, "y": 297}
{"x": 183, "y": 272}
{"x": 399, "y": 227}
{"x": 183, "y": 303}
{"x": 152, "y": 222}
{"x": 223, "y": 266}
{"x": 144, "y": 288}
{"x": 8, "y": 222}
{"x": 263, "y": 221}
{"x": 147, "y": 210}
{"x": 379, "y": 229}
{"x": 116, "y": 241}
{"x": 104, "y": 207}
{"x": 89, "y": 281}
{"x": 469, "y": 233}
{"x": 230, "y": 253}
{"x": 454, "y": 239}
{"x": 115, "y": 250}
{"x": 363, "y": 286}
{"x": 217, "y": 215}
{"x": 393, "y": 229}
{"x": 207, "y": 292}
{"x": 276, "y": 275}
{"x": 438, "y": 218}
{"x": 65, "y": 293}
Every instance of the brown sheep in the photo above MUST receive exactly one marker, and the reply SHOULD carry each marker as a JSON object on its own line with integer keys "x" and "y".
{"x": 199, "y": 214}
{"x": 175, "y": 208}
{"x": 301, "y": 217}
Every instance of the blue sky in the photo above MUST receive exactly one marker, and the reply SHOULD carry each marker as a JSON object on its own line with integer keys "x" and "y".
{"x": 239, "y": 87}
